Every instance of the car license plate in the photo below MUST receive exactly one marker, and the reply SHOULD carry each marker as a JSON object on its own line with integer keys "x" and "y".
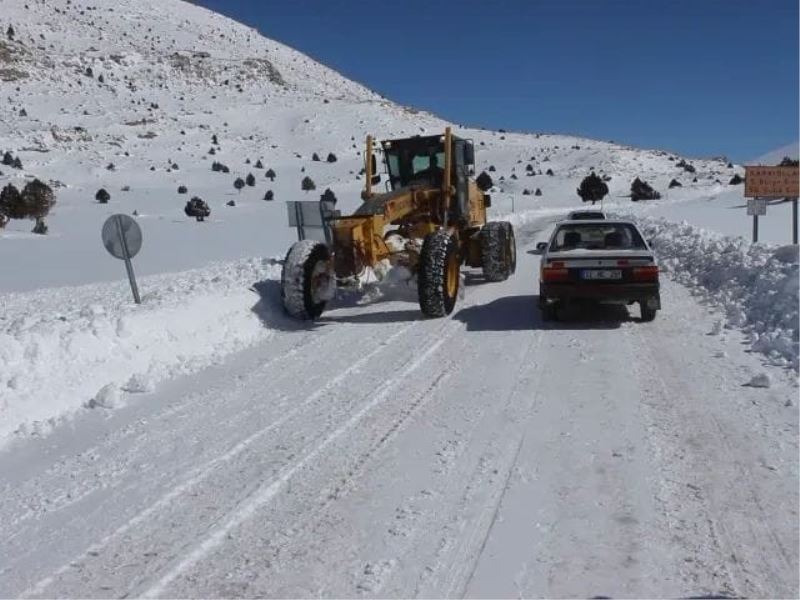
{"x": 602, "y": 274}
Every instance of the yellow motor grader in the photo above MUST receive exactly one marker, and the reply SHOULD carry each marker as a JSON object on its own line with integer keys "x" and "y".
{"x": 431, "y": 219}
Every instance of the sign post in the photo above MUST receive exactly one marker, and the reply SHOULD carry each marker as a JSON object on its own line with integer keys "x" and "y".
{"x": 756, "y": 207}
{"x": 762, "y": 183}
{"x": 122, "y": 237}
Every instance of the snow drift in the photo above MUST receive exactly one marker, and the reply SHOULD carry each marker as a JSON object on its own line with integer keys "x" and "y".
{"x": 755, "y": 284}
{"x": 63, "y": 349}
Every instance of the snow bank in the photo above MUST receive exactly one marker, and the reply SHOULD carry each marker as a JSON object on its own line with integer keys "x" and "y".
{"x": 755, "y": 284}
{"x": 67, "y": 348}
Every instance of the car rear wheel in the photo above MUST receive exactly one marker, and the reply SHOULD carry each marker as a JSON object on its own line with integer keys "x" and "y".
{"x": 647, "y": 313}
{"x": 548, "y": 310}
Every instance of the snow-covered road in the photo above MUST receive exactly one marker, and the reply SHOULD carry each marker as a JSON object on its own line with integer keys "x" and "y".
{"x": 379, "y": 454}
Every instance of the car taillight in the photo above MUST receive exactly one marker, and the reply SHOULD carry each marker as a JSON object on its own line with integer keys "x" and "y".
{"x": 649, "y": 273}
{"x": 554, "y": 274}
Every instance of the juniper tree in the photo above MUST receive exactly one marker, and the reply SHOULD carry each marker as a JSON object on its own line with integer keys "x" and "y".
{"x": 38, "y": 198}
{"x": 641, "y": 190}
{"x": 592, "y": 188}
{"x": 484, "y": 181}
{"x": 11, "y": 202}
{"x": 307, "y": 184}
{"x": 328, "y": 196}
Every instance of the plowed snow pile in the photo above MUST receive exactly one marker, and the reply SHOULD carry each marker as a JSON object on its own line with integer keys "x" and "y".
{"x": 756, "y": 284}
{"x": 65, "y": 348}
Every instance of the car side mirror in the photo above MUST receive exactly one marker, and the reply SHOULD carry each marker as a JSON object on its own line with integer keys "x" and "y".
{"x": 650, "y": 243}
{"x": 541, "y": 247}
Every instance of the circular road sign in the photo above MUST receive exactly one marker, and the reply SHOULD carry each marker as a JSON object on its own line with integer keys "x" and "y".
{"x": 122, "y": 233}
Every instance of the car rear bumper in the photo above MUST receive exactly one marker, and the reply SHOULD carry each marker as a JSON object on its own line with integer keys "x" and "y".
{"x": 617, "y": 292}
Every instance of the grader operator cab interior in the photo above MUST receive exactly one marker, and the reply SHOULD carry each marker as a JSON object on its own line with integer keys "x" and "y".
{"x": 430, "y": 219}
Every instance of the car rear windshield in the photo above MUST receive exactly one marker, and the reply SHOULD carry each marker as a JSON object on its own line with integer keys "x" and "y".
{"x": 586, "y": 216}
{"x": 597, "y": 236}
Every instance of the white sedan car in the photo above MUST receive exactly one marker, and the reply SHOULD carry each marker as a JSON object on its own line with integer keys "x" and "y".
{"x": 599, "y": 260}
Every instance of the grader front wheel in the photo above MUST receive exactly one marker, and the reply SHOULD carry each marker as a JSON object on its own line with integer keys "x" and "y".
{"x": 439, "y": 274}
{"x": 307, "y": 279}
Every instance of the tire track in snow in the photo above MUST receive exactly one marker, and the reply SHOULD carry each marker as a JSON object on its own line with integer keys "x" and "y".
{"x": 457, "y": 555}
{"x": 733, "y": 555}
{"x": 16, "y": 494}
{"x": 265, "y": 493}
{"x": 309, "y": 515}
{"x": 204, "y": 470}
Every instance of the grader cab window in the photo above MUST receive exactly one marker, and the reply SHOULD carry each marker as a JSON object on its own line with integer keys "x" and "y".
{"x": 408, "y": 165}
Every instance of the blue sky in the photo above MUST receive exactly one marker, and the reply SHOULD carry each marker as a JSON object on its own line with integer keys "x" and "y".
{"x": 700, "y": 77}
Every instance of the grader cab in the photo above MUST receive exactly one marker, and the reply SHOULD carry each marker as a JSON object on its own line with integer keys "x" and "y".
{"x": 431, "y": 219}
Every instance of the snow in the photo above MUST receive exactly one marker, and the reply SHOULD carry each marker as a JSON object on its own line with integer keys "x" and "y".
{"x": 756, "y": 285}
{"x": 485, "y": 454}
{"x": 69, "y": 347}
{"x": 761, "y": 380}
{"x": 203, "y": 444}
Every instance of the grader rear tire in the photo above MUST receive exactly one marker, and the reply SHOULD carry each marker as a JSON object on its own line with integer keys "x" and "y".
{"x": 307, "y": 280}
{"x": 439, "y": 274}
{"x": 498, "y": 251}
{"x": 511, "y": 247}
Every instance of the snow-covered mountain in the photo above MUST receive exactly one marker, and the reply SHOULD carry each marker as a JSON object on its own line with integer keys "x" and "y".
{"x": 773, "y": 157}
{"x": 127, "y": 95}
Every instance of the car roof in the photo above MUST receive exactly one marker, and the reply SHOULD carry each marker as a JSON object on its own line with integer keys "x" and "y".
{"x": 598, "y": 222}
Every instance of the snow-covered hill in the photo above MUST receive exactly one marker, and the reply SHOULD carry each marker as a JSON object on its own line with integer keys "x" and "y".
{"x": 126, "y": 96}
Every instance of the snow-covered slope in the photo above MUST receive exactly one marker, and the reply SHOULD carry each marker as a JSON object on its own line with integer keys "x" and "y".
{"x": 174, "y": 75}
{"x": 775, "y": 156}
